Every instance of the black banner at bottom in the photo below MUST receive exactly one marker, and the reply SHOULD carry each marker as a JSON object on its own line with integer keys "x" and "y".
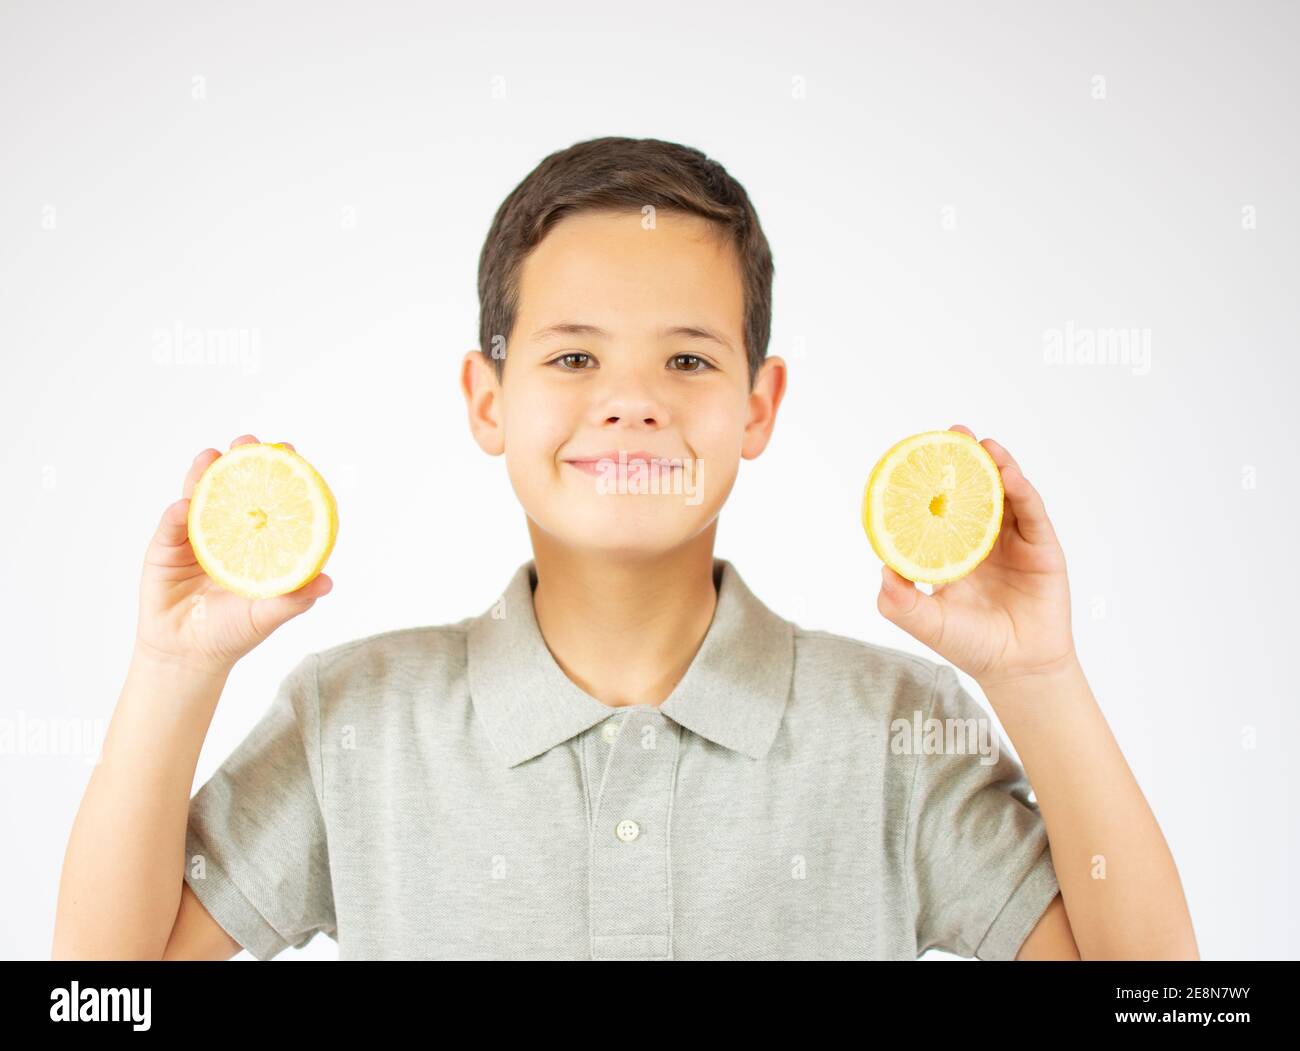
{"x": 334, "y": 999}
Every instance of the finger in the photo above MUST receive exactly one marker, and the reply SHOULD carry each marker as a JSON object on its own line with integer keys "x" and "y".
{"x": 172, "y": 530}
{"x": 269, "y": 613}
{"x": 243, "y": 439}
{"x": 1030, "y": 514}
{"x": 170, "y": 545}
{"x": 1004, "y": 461}
{"x": 903, "y": 603}
{"x": 999, "y": 453}
{"x": 962, "y": 428}
{"x": 200, "y": 464}
{"x": 287, "y": 445}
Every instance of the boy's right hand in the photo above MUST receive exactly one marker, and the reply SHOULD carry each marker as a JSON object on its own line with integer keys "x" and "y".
{"x": 188, "y": 620}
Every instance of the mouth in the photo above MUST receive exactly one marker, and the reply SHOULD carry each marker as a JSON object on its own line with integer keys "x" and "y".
{"x": 622, "y": 462}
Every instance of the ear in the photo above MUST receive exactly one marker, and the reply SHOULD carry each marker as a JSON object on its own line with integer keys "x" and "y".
{"x": 764, "y": 400}
{"x": 478, "y": 382}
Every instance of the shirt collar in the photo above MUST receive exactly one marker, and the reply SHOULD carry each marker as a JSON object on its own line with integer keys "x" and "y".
{"x": 733, "y": 693}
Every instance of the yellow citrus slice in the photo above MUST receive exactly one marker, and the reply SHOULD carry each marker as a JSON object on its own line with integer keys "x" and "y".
{"x": 932, "y": 507}
{"x": 262, "y": 521}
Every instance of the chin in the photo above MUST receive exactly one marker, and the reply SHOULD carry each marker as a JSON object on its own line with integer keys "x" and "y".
{"x": 625, "y": 529}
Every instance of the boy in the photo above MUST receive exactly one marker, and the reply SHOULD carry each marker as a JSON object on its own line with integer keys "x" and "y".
{"x": 628, "y": 756}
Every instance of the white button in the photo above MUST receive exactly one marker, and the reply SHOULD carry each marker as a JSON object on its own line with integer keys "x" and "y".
{"x": 627, "y": 830}
{"x": 609, "y": 731}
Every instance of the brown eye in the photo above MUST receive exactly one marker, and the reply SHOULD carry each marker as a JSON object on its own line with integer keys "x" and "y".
{"x": 691, "y": 357}
{"x": 566, "y": 357}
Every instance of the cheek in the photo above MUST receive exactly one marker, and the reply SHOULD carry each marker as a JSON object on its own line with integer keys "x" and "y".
{"x": 536, "y": 425}
{"x": 715, "y": 430}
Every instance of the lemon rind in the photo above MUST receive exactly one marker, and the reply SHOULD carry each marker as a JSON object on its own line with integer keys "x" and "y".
{"x": 872, "y": 510}
{"x": 324, "y": 525}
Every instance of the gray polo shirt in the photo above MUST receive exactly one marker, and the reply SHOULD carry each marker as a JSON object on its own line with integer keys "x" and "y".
{"x": 448, "y": 792}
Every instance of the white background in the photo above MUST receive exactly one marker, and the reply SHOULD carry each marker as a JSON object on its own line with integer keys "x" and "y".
{"x": 941, "y": 186}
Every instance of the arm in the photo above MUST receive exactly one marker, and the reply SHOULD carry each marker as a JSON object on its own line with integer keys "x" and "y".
{"x": 1051, "y": 938}
{"x": 197, "y": 936}
{"x": 1117, "y": 875}
{"x": 120, "y": 892}
{"x": 1007, "y": 625}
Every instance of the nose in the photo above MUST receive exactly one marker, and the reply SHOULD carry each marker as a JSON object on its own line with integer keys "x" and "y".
{"x": 632, "y": 400}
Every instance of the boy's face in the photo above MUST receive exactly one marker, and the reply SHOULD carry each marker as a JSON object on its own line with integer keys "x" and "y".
{"x": 628, "y": 382}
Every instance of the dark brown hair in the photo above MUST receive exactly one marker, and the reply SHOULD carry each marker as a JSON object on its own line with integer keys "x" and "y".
{"x": 620, "y": 173}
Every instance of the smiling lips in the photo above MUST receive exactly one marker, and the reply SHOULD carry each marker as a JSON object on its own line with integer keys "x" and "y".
{"x": 623, "y": 460}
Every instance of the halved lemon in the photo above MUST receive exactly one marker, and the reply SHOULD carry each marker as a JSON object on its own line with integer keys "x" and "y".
{"x": 932, "y": 507}
{"x": 262, "y": 521}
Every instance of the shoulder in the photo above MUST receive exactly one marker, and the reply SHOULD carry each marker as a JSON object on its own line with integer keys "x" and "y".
{"x": 875, "y": 676}
{"x": 402, "y": 658}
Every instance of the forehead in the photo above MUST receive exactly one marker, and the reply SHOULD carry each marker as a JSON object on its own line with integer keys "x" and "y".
{"x": 608, "y": 265}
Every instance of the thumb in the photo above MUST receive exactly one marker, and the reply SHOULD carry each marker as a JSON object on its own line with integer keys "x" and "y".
{"x": 269, "y": 613}
{"x": 906, "y": 605}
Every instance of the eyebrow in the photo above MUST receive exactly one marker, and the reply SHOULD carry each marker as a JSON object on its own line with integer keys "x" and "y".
{"x": 572, "y": 328}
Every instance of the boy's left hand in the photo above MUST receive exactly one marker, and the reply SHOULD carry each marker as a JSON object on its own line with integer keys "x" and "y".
{"x": 1010, "y": 617}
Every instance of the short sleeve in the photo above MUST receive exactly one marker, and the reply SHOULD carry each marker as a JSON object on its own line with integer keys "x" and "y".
{"x": 255, "y": 846}
{"x": 977, "y": 854}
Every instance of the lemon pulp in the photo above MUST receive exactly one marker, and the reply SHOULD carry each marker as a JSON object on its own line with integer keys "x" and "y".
{"x": 262, "y": 521}
{"x": 933, "y": 506}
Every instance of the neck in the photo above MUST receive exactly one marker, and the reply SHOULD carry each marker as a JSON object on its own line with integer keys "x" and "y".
{"x": 624, "y": 630}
